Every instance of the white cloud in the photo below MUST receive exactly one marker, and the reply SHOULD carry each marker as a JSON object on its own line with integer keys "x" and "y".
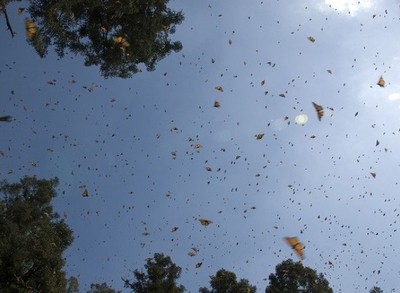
{"x": 351, "y": 7}
{"x": 394, "y": 97}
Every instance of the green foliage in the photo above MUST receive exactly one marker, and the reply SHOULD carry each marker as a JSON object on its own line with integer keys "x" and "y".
{"x": 294, "y": 277}
{"x": 89, "y": 28}
{"x": 375, "y": 290}
{"x": 160, "y": 277}
{"x": 225, "y": 281}
{"x": 73, "y": 285}
{"x": 32, "y": 238}
{"x": 101, "y": 288}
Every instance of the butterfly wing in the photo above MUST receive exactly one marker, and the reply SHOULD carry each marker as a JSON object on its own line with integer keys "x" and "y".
{"x": 297, "y": 246}
{"x": 319, "y": 109}
{"x": 205, "y": 222}
{"x": 121, "y": 41}
{"x": 30, "y": 28}
{"x": 85, "y": 193}
{"x": 381, "y": 82}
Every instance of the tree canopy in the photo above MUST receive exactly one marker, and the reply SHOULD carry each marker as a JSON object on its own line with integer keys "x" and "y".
{"x": 225, "y": 282}
{"x": 115, "y": 35}
{"x": 73, "y": 285}
{"x": 101, "y": 288}
{"x": 160, "y": 276}
{"x": 33, "y": 238}
{"x": 294, "y": 277}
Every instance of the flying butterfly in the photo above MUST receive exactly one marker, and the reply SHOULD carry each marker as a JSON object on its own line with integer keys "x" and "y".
{"x": 219, "y": 88}
{"x": 205, "y": 222}
{"x": 311, "y": 39}
{"x": 259, "y": 136}
{"x": 296, "y": 245}
{"x": 31, "y": 29}
{"x": 85, "y": 193}
{"x": 6, "y": 118}
{"x": 319, "y": 109}
{"x": 121, "y": 41}
{"x": 381, "y": 82}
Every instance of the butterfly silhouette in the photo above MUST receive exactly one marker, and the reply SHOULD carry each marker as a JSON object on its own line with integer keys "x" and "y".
{"x": 30, "y": 28}
{"x": 296, "y": 245}
{"x": 381, "y": 82}
{"x": 319, "y": 109}
{"x": 205, "y": 222}
{"x": 6, "y": 118}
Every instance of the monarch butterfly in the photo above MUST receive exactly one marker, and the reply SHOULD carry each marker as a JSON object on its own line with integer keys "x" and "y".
{"x": 205, "y": 222}
{"x": 6, "y": 118}
{"x": 381, "y": 82}
{"x": 30, "y": 28}
{"x": 121, "y": 41}
{"x": 319, "y": 109}
{"x": 85, "y": 193}
{"x": 193, "y": 251}
{"x": 219, "y": 88}
{"x": 296, "y": 245}
{"x": 259, "y": 136}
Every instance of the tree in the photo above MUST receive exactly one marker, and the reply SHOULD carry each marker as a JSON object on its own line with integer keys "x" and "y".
{"x": 161, "y": 275}
{"x": 113, "y": 34}
{"x": 101, "y": 288}
{"x": 294, "y": 277}
{"x": 375, "y": 290}
{"x": 32, "y": 238}
{"x": 73, "y": 285}
{"x": 225, "y": 282}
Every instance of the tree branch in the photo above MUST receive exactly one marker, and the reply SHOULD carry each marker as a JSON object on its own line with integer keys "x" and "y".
{"x": 8, "y": 23}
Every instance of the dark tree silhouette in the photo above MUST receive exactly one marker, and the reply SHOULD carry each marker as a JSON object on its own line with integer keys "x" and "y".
{"x": 160, "y": 276}
{"x": 294, "y": 277}
{"x": 33, "y": 238}
{"x": 225, "y": 282}
{"x": 116, "y": 35}
{"x": 101, "y": 288}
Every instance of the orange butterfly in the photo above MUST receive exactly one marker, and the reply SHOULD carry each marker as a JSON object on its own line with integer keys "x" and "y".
{"x": 381, "y": 82}
{"x": 205, "y": 222}
{"x": 122, "y": 42}
{"x": 296, "y": 245}
{"x": 319, "y": 109}
{"x": 30, "y": 28}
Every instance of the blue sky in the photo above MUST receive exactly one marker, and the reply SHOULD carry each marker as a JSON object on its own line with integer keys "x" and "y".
{"x": 118, "y": 140}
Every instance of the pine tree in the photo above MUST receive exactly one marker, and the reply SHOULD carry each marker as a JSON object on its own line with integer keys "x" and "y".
{"x": 294, "y": 277}
{"x": 32, "y": 238}
{"x": 160, "y": 276}
{"x": 113, "y": 34}
{"x": 225, "y": 282}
